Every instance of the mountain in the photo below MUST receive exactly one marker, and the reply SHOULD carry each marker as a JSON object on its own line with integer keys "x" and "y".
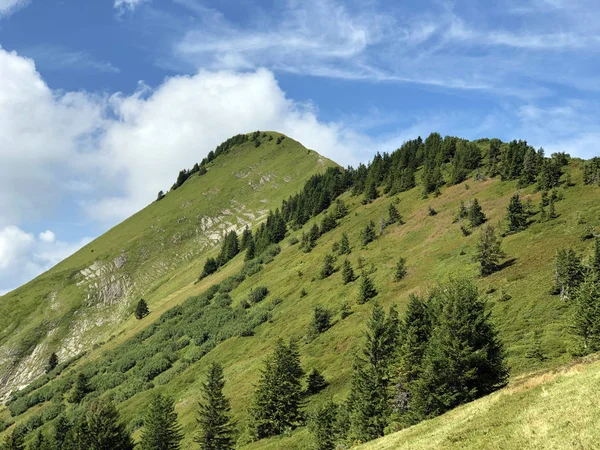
{"x": 235, "y": 315}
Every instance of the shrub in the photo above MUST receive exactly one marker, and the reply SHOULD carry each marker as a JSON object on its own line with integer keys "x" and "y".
{"x": 258, "y": 294}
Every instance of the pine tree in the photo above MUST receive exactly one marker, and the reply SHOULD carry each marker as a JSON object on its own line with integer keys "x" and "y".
{"x": 393, "y": 215}
{"x": 278, "y": 397}
{"x": 14, "y": 441}
{"x": 250, "y": 251}
{"x": 347, "y": 272}
{"x": 516, "y": 216}
{"x": 328, "y": 266}
{"x": 161, "y": 431}
{"x": 105, "y": 431}
{"x": 415, "y": 330}
{"x": 568, "y": 272}
{"x": 245, "y": 239}
{"x": 210, "y": 267}
{"x": 328, "y": 223}
{"x": 552, "y": 208}
{"x": 400, "y": 271}
{"x": 367, "y": 235}
{"x": 463, "y": 212}
{"x": 61, "y": 429}
{"x": 476, "y": 215}
{"x": 341, "y": 210}
{"x": 488, "y": 252}
{"x": 52, "y": 363}
{"x": 229, "y": 248}
{"x": 595, "y": 263}
{"x": 366, "y": 289}
{"x": 321, "y": 321}
{"x": 464, "y": 359}
{"x": 344, "y": 246}
{"x": 80, "y": 389}
{"x": 370, "y": 192}
{"x": 216, "y": 428}
{"x": 586, "y": 315}
{"x": 370, "y": 395}
{"x": 160, "y": 196}
{"x": 323, "y": 427}
{"x": 315, "y": 383}
{"x": 141, "y": 309}
{"x": 345, "y": 310}
{"x": 40, "y": 442}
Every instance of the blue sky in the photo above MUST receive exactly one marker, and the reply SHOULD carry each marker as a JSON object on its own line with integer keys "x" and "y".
{"x": 104, "y": 101}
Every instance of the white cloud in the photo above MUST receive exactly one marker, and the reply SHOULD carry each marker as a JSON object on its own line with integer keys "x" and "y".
{"x": 7, "y": 7}
{"x": 54, "y": 57}
{"x": 23, "y": 257}
{"x": 128, "y": 4}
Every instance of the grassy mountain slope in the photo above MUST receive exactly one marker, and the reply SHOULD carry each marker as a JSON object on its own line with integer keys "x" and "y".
{"x": 533, "y": 324}
{"x": 554, "y": 409}
{"x": 86, "y": 298}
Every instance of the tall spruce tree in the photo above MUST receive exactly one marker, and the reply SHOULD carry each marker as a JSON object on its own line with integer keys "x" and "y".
{"x": 400, "y": 271}
{"x": 393, "y": 215}
{"x": 464, "y": 359}
{"x": 328, "y": 266}
{"x": 368, "y": 235}
{"x": 62, "y": 427}
{"x": 161, "y": 430}
{"x": 245, "y": 239}
{"x": 516, "y": 215}
{"x": 52, "y": 362}
{"x": 80, "y": 389}
{"x": 141, "y": 309}
{"x": 347, "y": 272}
{"x": 586, "y": 315}
{"x": 568, "y": 272}
{"x": 323, "y": 426}
{"x": 278, "y": 397}
{"x": 14, "y": 441}
{"x": 250, "y": 251}
{"x": 476, "y": 215}
{"x": 366, "y": 289}
{"x": 595, "y": 262}
{"x": 216, "y": 428}
{"x": 488, "y": 252}
{"x": 104, "y": 429}
{"x": 369, "y": 400}
{"x": 344, "y": 245}
{"x": 415, "y": 330}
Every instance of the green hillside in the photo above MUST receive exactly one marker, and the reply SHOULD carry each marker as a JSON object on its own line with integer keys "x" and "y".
{"x": 193, "y": 324}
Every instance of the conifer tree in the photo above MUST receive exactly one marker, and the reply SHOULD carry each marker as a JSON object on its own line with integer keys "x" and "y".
{"x": 400, "y": 271}
{"x": 52, "y": 362}
{"x": 367, "y": 235}
{"x": 105, "y": 431}
{"x": 245, "y": 239}
{"x": 464, "y": 359}
{"x": 328, "y": 266}
{"x": 415, "y": 329}
{"x": 366, "y": 289}
{"x": 39, "y": 442}
{"x": 328, "y": 223}
{"x": 141, "y": 309}
{"x": 321, "y": 321}
{"x": 488, "y": 252}
{"x": 14, "y": 441}
{"x": 229, "y": 248}
{"x": 161, "y": 431}
{"x": 344, "y": 245}
{"x": 516, "y": 216}
{"x": 370, "y": 192}
{"x": 315, "y": 383}
{"x": 476, "y": 215}
{"x": 552, "y": 208}
{"x": 341, "y": 210}
{"x": 463, "y": 212}
{"x": 278, "y": 397}
{"x": 323, "y": 427}
{"x": 347, "y": 272}
{"x": 80, "y": 389}
{"x": 345, "y": 310}
{"x": 595, "y": 263}
{"x": 568, "y": 272}
{"x": 370, "y": 395}
{"x": 62, "y": 427}
{"x": 250, "y": 251}
{"x": 393, "y": 215}
{"x": 216, "y": 428}
{"x": 210, "y": 267}
{"x": 586, "y": 315}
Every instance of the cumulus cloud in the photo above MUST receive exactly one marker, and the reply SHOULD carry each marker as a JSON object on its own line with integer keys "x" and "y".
{"x": 23, "y": 256}
{"x": 8, "y": 7}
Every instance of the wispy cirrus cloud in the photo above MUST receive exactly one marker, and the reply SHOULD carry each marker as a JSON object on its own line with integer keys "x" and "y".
{"x": 51, "y": 57}
{"x": 124, "y": 5}
{"x": 8, "y": 7}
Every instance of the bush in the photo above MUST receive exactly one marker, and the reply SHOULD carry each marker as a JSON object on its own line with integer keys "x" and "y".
{"x": 258, "y": 294}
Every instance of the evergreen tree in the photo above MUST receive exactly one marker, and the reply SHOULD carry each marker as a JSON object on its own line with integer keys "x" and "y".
{"x": 62, "y": 427}
{"x": 161, "y": 431}
{"x": 344, "y": 245}
{"x": 400, "y": 271}
{"x": 370, "y": 395}
{"x": 315, "y": 383}
{"x": 245, "y": 239}
{"x": 160, "y": 196}
{"x": 476, "y": 215}
{"x": 229, "y": 248}
{"x": 105, "y": 431}
{"x": 80, "y": 389}
{"x": 431, "y": 211}
{"x": 141, "y": 309}
{"x": 370, "y": 192}
{"x": 210, "y": 267}
{"x": 52, "y": 363}
{"x": 250, "y": 251}
{"x": 552, "y": 208}
{"x": 463, "y": 212}
{"x": 323, "y": 427}
{"x": 278, "y": 398}
{"x": 488, "y": 252}
{"x": 328, "y": 223}
{"x": 464, "y": 359}
{"x": 14, "y": 441}
{"x": 347, "y": 272}
{"x": 341, "y": 210}
{"x": 393, "y": 215}
{"x": 595, "y": 263}
{"x": 328, "y": 266}
{"x": 366, "y": 289}
{"x": 216, "y": 428}
{"x": 321, "y": 321}
{"x": 586, "y": 315}
{"x": 345, "y": 310}
{"x": 39, "y": 442}
{"x": 415, "y": 330}
{"x": 368, "y": 234}
{"x": 516, "y": 216}
{"x": 568, "y": 273}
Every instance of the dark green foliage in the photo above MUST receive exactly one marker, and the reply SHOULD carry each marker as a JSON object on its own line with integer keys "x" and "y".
{"x": 40, "y": 442}
{"x": 315, "y": 382}
{"x": 229, "y": 248}
{"x": 161, "y": 431}
{"x": 369, "y": 401}
{"x": 61, "y": 429}
{"x": 323, "y": 426}
{"x": 400, "y": 271}
{"x": 530, "y": 167}
{"x": 415, "y": 329}
{"x": 80, "y": 389}
{"x": 464, "y": 359}
{"x": 476, "y": 215}
{"x": 488, "y": 252}
{"x": 591, "y": 171}
{"x": 466, "y": 158}
{"x": 160, "y": 196}
{"x": 216, "y": 428}
{"x": 462, "y": 213}
{"x": 345, "y": 310}
{"x": 278, "y": 397}
{"x": 431, "y": 211}
{"x": 595, "y": 262}
{"x": 245, "y": 239}
{"x": 368, "y": 235}
{"x": 309, "y": 240}
{"x": 370, "y": 192}
{"x": 141, "y": 309}
{"x": 303, "y": 293}
{"x": 210, "y": 267}
{"x": 14, "y": 441}
{"x": 586, "y": 315}
{"x": 250, "y": 251}
{"x": 52, "y": 362}
{"x": 344, "y": 245}
{"x": 393, "y": 215}
{"x": 512, "y": 158}
{"x": 347, "y": 272}
{"x": 493, "y": 159}
{"x": 568, "y": 273}
{"x": 516, "y": 215}
{"x": 328, "y": 266}
{"x": 366, "y": 289}
{"x": 258, "y": 294}
{"x": 328, "y": 223}
{"x": 550, "y": 173}
{"x": 340, "y": 210}
{"x": 321, "y": 321}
